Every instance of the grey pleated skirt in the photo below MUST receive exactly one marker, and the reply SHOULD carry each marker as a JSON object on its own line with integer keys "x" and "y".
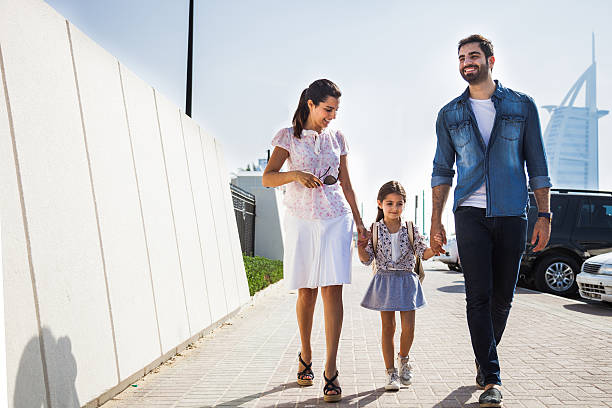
{"x": 394, "y": 291}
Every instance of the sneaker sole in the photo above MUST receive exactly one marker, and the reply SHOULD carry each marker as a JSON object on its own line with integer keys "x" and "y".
{"x": 391, "y": 388}
{"x": 407, "y": 382}
{"x": 491, "y": 404}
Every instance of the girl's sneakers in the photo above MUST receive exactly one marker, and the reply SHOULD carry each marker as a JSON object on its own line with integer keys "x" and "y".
{"x": 393, "y": 381}
{"x": 405, "y": 371}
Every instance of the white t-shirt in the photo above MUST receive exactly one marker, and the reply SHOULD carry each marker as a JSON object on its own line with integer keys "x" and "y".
{"x": 484, "y": 110}
{"x": 395, "y": 246}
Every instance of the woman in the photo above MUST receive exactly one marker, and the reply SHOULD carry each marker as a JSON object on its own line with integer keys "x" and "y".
{"x": 318, "y": 225}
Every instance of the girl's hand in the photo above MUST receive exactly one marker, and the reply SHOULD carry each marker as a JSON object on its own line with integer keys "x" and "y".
{"x": 307, "y": 179}
{"x": 363, "y": 242}
{"x": 439, "y": 239}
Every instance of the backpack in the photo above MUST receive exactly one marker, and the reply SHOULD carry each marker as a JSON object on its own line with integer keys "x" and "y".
{"x": 418, "y": 266}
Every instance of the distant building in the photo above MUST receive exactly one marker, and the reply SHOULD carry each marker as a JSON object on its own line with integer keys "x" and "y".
{"x": 270, "y": 211}
{"x": 262, "y": 163}
{"x": 571, "y": 138}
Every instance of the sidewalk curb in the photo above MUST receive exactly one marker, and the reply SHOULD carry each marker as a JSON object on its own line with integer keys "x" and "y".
{"x": 160, "y": 361}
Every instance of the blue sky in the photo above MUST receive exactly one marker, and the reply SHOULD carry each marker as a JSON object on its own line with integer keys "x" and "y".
{"x": 395, "y": 62}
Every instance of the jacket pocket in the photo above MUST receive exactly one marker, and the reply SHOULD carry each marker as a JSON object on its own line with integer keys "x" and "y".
{"x": 512, "y": 127}
{"x": 460, "y": 133}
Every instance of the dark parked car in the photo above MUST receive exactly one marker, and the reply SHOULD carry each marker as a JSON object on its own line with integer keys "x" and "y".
{"x": 581, "y": 228}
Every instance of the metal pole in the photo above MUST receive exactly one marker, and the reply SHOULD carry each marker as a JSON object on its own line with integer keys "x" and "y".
{"x": 416, "y": 205}
{"x": 423, "y": 212}
{"x": 189, "y": 61}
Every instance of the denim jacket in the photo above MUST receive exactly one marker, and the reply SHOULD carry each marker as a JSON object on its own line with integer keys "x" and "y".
{"x": 516, "y": 140}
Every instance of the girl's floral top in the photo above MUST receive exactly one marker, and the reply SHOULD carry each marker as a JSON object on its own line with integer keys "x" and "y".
{"x": 406, "y": 260}
{"x": 319, "y": 154}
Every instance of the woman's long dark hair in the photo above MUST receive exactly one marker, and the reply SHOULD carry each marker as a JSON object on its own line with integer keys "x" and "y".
{"x": 317, "y": 92}
{"x": 386, "y": 189}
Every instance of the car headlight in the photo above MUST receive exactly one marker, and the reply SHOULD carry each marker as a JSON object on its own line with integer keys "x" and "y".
{"x": 606, "y": 269}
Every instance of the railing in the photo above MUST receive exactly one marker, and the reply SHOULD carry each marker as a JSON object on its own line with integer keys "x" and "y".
{"x": 244, "y": 208}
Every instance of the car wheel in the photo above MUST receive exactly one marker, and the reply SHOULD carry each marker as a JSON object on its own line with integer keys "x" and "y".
{"x": 556, "y": 274}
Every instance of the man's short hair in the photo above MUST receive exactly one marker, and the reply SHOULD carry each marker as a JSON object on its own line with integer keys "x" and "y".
{"x": 485, "y": 45}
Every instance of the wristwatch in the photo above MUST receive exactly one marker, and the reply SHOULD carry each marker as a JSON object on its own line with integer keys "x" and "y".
{"x": 547, "y": 215}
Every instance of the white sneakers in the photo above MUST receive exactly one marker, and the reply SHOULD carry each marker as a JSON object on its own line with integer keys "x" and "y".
{"x": 405, "y": 369}
{"x": 404, "y": 377}
{"x": 393, "y": 381}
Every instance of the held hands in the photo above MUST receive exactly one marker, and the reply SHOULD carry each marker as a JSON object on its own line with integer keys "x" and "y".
{"x": 307, "y": 179}
{"x": 363, "y": 236}
{"x": 438, "y": 234}
{"x": 541, "y": 234}
{"x": 436, "y": 240}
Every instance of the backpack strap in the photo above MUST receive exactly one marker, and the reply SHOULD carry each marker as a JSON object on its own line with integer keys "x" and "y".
{"x": 418, "y": 265}
{"x": 374, "y": 230}
{"x": 410, "y": 227}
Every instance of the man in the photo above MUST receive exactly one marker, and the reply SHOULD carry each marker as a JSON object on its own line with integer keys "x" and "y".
{"x": 491, "y": 132}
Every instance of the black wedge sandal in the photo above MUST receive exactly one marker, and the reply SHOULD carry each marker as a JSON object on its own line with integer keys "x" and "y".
{"x": 306, "y": 376}
{"x": 330, "y": 386}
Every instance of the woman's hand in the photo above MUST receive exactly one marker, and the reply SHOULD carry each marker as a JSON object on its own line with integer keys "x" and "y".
{"x": 306, "y": 179}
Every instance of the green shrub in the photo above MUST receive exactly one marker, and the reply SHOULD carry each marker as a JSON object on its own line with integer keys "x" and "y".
{"x": 261, "y": 272}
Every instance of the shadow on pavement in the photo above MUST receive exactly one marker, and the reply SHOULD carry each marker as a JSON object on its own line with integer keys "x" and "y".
{"x": 452, "y": 289}
{"x": 353, "y": 400}
{"x": 461, "y": 395}
{"x": 359, "y": 399}
{"x": 449, "y": 272}
{"x": 248, "y": 398}
{"x": 592, "y": 309}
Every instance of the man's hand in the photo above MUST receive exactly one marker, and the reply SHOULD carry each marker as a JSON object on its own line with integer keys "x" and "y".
{"x": 541, "y": 234}
{"x": 437, "y": 238}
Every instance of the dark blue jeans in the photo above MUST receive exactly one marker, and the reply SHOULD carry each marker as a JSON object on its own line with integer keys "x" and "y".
{"x": 490, "y": 250}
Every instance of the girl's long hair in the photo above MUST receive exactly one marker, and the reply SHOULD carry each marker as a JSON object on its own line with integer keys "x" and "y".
{"x": 317, "y": 92}
{"x": 386, "y": 189}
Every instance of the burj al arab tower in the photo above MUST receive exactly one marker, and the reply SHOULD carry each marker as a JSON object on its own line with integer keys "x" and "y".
{"x": 571, "y": 136}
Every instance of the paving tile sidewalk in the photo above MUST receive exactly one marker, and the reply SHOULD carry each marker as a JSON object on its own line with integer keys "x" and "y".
{"x": 556, "y": 353}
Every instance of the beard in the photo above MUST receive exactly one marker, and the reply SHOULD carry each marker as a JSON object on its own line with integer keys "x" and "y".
{"x": 478, "y": 76}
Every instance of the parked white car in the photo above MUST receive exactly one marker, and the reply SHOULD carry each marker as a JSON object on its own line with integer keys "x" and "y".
{"x": 451, "y": 256}
{"x": 595, "y": 279}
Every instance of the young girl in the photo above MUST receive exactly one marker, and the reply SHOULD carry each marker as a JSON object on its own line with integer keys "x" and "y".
{"x": 394, "y": 287}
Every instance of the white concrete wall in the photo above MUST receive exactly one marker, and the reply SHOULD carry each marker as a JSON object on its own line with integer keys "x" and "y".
{"x": 270, "y": 211}
{"x": 115, "y": 250}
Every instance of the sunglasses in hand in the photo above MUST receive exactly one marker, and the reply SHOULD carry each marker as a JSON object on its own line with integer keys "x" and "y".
{"x": 327, "y": 179}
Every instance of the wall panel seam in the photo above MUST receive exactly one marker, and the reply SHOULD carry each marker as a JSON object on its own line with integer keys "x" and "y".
{"x": 229, "y": 240}
{"x": 144, "y": 228}
{"x": 195, "y": 213}
{"x": 95, "y": 202}
{"x": 212, "y": 210}
{"x": 178, "y": 251}
{"x": 228, "y": 217}
{"x": 221, "y": 182}
{"x": 26, "y": 229}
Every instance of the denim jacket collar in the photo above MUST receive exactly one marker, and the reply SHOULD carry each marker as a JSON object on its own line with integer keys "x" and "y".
{"x": 497, "y": 94}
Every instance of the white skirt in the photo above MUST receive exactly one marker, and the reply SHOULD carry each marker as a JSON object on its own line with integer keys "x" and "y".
{"x": 317, "y": 252}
